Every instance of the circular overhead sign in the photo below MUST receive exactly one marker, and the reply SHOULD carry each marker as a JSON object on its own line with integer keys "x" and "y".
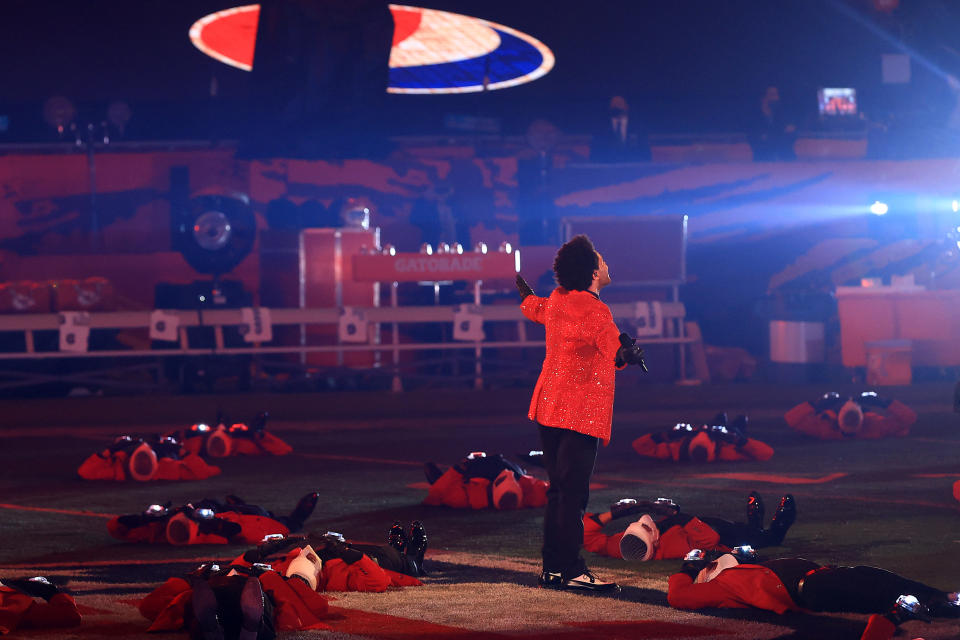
{"x": 433, "y": 51}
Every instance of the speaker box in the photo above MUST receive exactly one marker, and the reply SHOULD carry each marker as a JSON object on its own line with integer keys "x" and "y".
{"x": 201, "y": 295}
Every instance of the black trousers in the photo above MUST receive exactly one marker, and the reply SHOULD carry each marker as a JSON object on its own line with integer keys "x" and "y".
{"x": 862, "y": 590}
{"x": 849, "y": 589}
{"x": 388, "y": 558}
{"x": 735, "y": 534}
{"x": 569, "y": 457}
{"x": 732, "y": 534}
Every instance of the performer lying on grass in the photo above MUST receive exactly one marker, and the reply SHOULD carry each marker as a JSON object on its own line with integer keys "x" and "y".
{"x": 741, "y": 580}
{"x": 275, "y": 586}
{"x": 836, "y": 417}
{"x": 219, "y": 440}
{"x": 674, "y": 533}
{"x": 157, "y": 458}
{"x": 481, "y": 480}
{"x": 210, "y": 522}
{"x": 705, "y": 443}
{"x": 20, "y": 608}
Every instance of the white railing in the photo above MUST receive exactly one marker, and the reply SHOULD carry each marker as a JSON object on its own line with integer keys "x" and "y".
{"x": 672, "y": 332}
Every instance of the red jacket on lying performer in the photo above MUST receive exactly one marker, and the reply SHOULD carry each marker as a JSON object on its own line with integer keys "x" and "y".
{"x": 675, "y": 542}
{"x": 364, "y": 574}
{"x": 209, "y": 522}
{"x": 673, "y": 533}
{"x": 296, "y": 606}
{"x": 868, "y": 416}
{"x": 291, "y": 581}
{"x": 134, "y": 459}
{"x": 20, "y": 609}
{"x": 238, "y": 439}
{"x": 482, "y": 480}
{"x": 797, "y": 584}
{"x": 706, "y": 443}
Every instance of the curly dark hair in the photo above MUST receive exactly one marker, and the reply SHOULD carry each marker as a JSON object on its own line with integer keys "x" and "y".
{"x": 575, "y": 263}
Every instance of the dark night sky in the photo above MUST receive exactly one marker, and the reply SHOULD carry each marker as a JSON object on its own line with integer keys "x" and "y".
{"x": 683, "y": 64}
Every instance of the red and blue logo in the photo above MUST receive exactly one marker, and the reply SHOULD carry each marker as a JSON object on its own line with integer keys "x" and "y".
{"x": 433, "y": 51}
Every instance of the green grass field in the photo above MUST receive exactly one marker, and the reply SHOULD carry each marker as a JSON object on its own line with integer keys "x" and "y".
{"x": 892, "y": 507}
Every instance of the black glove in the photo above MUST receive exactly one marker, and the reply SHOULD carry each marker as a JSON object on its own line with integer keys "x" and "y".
{"x": 745, "y": 554}
{"x": 872, "y": 399}
{"x": 523, "y": 288}
{"x": 729, "y": 435}
{"x": 271, "y": 545}
{"x": 331, "y": 547}
{"x": 206, "y": 571}
{"x": 680, "y": 431}
{"x": 124, "y": 443}
{"x": 38, "y": 587}
{"x": 628, "y": 507}
{"x": 207, "y": 522}
{"x": 167, "y": 447}
{"x": 260, "y": 422}
{"x": 693, "y": 563}
{"x": 665, "y": 507}
{"x": 629, "y": 353}
{"x": 829, "y": 401}
{"x": 907, "y": 608}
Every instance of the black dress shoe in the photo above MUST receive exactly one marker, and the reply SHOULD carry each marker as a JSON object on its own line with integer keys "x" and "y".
{"x": 251, "y": 609}
{"x": 740, "y": 423}
{"x": 590, "y": 583}
{"x": 303, "y": 510}
{"x": 755, "y": 510}
{"x": 550, "y": 580}
{"x": 205, "y": 611}
{"x": 397, "y": 537}
{"x": 625, "y": 507}
{"x": 432, "y": 471}
{"x": 946, "y": 607}
{"x": 38, "y": 587}
{"x": 417, "y": 543}
{"x": 783, "y": 518}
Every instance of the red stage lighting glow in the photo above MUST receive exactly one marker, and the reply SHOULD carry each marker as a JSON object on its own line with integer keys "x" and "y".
{"x": 433, "y": 51}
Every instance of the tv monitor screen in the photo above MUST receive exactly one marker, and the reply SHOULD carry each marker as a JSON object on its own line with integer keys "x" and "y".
{"x": 837, "y": 101}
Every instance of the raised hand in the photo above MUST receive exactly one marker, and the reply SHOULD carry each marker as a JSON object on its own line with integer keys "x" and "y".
{"x": 523, "y": 288}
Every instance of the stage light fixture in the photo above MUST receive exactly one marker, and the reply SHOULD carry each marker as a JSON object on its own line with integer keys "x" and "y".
{"x": 356, "y": 213}
{"x": 879, "y": 208}
{"x": 59, "y": 113}
{"x": 955, "y": 205}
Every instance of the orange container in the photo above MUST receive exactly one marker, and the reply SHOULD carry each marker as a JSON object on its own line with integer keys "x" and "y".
{"x": 889, "y": 362}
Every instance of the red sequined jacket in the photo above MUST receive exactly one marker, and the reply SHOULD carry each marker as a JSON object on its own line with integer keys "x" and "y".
{"x": 575, "y": 388}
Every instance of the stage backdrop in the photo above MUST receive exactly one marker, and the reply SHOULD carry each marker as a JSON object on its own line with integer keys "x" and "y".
{"x": 425, "y": 194}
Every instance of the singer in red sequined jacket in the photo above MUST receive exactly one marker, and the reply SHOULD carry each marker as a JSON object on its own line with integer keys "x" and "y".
{"x": 575, "y": 388}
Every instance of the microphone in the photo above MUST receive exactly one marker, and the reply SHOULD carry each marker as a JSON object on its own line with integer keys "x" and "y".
{"x": 630, "y": 343}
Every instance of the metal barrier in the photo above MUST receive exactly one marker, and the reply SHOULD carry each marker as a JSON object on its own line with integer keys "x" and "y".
{"x": 672, "y": 333}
